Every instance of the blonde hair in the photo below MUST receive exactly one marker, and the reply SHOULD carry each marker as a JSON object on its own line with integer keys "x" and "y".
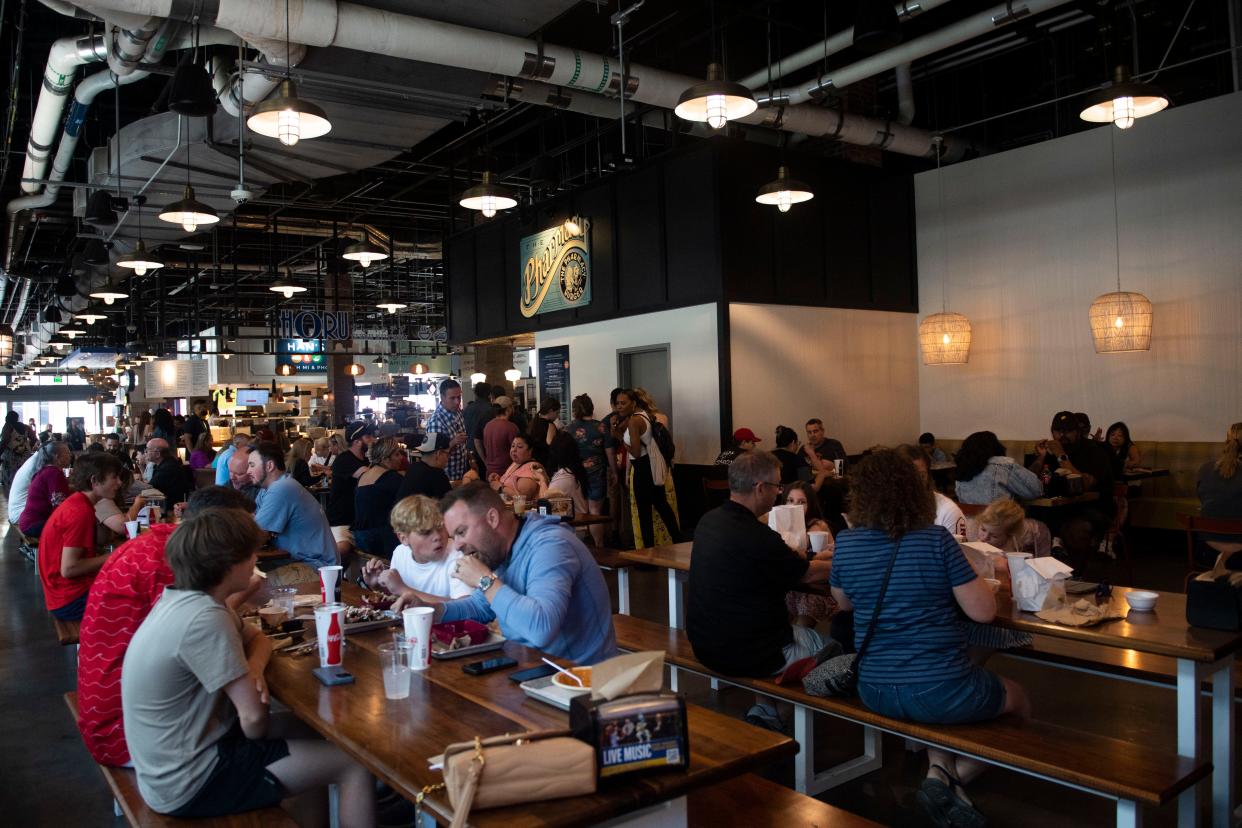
{"x": 1005, "y": 515}
{"x": 300, "y": 450}
{"x": 416, "y": 513}
{"x": 645, "y": 402}
{"x": 322, "y": 445}
{"x": 384, "y": 448}
{"x": 1227, "y": 465}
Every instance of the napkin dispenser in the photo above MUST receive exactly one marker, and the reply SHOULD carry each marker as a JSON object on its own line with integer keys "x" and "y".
{"x": 1039, "y": 583}
{"x": 630, "y": 722}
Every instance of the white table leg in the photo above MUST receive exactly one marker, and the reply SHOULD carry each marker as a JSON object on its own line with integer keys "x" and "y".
{"x": 1189, "y": 735}
{"x": 623, "y": 590}
{"x": 676, "y": 608}
{"x": 1222, "y": 743}
{"x": 1129, "y": 815}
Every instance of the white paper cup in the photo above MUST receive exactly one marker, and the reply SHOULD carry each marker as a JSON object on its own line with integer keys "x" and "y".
{"x": 131, "y": 528}
{"x": 330, "y": 584}
{"x": 519, "y": 505}
{"x": 1017, "y": 561}
{"x": 330, "y": 630}
{"x": 819, "y": 540}
{"x": 417, "y": 622}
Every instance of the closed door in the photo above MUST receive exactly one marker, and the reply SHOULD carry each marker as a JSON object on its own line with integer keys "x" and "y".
{"x": 648, "y": 368}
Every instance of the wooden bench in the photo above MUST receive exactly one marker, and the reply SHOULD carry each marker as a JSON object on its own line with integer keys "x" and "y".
{"x": 66, "y": 631}
{"x": 610, "y": 560}
{"x": 1130, "y": 774}
{"x": 755, "y": 802}
{"x": 129, "y": 804}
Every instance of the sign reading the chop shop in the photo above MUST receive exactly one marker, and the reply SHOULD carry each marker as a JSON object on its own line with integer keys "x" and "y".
{"x": 556, "y": 268}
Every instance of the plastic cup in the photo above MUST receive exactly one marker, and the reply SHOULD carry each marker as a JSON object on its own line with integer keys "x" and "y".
{"x": 330, "y": 629}
{"x": 1017, "y": 562}
{"x": 330, "y": 584}
{"x": 519, "y": 505}
{"x": 819, "y": 540}
{"x": 395, "y": 665}
{"x": 283, "y": 597}
{"x": 417, "y": 622}
{"x": 131, "y": 528}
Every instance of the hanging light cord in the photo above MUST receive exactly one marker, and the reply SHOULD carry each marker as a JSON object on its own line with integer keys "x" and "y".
{"x": 938, "y": 141}
{"x": 1112, "y": 152}
{"x": 1176, "y": 32}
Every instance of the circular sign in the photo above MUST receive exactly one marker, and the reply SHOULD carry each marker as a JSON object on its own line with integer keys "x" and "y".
{"x": 573, "y": 276}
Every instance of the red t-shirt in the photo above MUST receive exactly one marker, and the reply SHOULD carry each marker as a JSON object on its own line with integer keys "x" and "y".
{"x": 124, "y": 592}
{"x": 72, "y": 524}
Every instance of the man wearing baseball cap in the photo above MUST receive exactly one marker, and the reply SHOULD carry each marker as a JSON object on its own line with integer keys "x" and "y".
{"x": 1070, "y": 451}
{"x": 743, "y": 440}
{"x": 498, "y": 435}
{"x": 427, "y": 476}
{"x": 346, "y": 469}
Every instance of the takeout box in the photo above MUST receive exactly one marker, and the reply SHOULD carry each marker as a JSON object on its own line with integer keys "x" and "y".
{"x": 1040, "y": 584}
{"x": 450, "y": 631}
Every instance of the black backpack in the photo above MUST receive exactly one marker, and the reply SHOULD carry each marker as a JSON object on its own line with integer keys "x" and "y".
{"x": 663, "y": 439}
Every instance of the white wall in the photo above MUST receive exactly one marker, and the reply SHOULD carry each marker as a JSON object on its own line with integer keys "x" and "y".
{"x": 853, "y": 369}
{"x": 1028, "y": 244}
{"x": 691, "y": 336}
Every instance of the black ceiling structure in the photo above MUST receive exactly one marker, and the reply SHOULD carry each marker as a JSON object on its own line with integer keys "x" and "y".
{"x": 437, "y": 130}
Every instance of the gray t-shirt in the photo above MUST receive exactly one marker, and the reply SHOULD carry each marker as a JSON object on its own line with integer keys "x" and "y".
{"x": 186, "y": 651}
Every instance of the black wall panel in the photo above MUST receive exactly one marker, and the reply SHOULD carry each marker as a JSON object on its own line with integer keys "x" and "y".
{"x": 489, "y": 253}
{"x": 690, "y": 227}
{"x": 640, "y": 241}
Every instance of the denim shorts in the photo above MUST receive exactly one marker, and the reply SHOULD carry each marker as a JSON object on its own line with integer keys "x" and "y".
{"x": 597, "y": 483}
{"x": 975, "y": 697}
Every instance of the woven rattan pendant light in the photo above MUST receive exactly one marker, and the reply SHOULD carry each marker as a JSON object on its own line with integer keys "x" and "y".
{"x": 1121, "y": 320}
{"x": 944, "y": 337}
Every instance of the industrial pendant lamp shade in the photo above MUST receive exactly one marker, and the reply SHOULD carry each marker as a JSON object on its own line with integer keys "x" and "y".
{"x": 140, "y": 261}
{"x": 285, "y": 369}
{"x": 784, "y": 191}
{"x": 189, "y": 212}
{"x": 191, "y": 93}
{"x": 286, "y": 286}
{"x": 378, "y": 362}
{"x": 96, "y": 253}
{"x": 364, "y": 253}
{"x": 477, "y": 377}
{"x": 1122, "y": 101}
{"x": 99, "y": 209}
{"x": 226, "y": 352}
{"x": 355, "y": 369}
{"x": 875, "y": 26}
{"x": 513, "y": 375}
{"x": 6, "y": 343}
{"x": 945, "y": 339}
{"x": 391, "y": 307}
{"x": 89, "y": 318}
{"x": 109, "y": 294}
{"x": 288, "y": 118}
{"x": 487, "y": 197}
{"x": 1120, "y": 322}
{"x": 715, "y": 101}
{"x": 419, "y": 369}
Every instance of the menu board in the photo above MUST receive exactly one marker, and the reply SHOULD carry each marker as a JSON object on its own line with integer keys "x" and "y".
{"x": 554, "y": 378}
{"x": 165, "y": 378}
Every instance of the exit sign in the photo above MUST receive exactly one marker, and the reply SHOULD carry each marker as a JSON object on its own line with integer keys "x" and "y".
{"x": 58, "y": 379}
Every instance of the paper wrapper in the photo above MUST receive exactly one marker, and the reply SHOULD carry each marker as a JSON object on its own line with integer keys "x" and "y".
{"x": 1040, "y": 584}
{"x": 982, "y": 557}
{"x": 1082, "y": 613}
{"x": 790, "y": 523}
{"x": 626, "y": 674}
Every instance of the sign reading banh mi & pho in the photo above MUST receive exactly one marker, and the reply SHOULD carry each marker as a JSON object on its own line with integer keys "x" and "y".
{"x": 556, "y": 268}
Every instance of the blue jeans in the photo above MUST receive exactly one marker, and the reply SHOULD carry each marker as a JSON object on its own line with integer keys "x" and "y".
{"x": 975, "y": 697}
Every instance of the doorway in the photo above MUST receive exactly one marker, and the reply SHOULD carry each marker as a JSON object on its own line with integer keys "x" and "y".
{"x": 648, "y": 368}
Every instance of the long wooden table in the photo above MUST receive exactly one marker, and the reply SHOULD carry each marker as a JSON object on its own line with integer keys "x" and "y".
{"x": 1200, "y": 654}
{"x": 394, "y": 739}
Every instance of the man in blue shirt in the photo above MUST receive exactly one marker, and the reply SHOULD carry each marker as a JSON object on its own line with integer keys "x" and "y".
{"x": 288, "y": 511}
{"x": 222, "y": 459}
{"x": 448, "y": 419}
{"x": 533, "y": 575}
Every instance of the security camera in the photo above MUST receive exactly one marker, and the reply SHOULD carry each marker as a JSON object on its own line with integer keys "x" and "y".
{"x": 241, "y": 195}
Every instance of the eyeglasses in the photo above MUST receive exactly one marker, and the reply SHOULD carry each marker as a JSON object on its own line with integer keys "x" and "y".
{"x": 766, "y": 483}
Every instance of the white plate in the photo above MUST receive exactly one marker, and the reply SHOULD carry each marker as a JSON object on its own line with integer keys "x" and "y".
{"x": 544, "y": 690}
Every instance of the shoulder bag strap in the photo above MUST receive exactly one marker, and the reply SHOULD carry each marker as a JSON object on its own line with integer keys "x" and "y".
{"x": 879, "y": 602}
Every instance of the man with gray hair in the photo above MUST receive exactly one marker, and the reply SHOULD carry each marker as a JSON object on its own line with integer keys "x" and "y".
{"x": 740, "y": 571}
{"x": 238, "y": 469}
{"x": 223, "y": 474}
{"x": 168, "y": 474}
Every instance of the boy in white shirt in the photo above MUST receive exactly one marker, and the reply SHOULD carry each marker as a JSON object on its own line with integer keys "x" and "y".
{"x": 423, "y": 563}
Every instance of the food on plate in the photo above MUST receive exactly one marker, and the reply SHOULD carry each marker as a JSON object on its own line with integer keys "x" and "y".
{"x": 583, "y": 673}
{"x": 456, "y": 635}
{"x": 365, "y": 615}
{"x": 378, "y": 600}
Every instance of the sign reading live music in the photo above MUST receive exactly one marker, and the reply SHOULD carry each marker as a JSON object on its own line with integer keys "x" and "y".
{"x": 556, "y": 268}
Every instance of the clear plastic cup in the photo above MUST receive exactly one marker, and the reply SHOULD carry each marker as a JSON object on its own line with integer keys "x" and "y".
{"x": 519, "y": 505}
{"x": 395, "y": 665}
{"x": 819, "y": 540}
{"x": 283, "y": 597}
{"x": 131, "y": 528}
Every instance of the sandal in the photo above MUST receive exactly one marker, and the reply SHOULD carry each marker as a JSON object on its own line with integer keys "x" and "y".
{"x": 944, "y": 807}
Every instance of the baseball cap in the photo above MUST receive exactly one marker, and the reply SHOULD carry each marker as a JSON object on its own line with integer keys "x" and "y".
{"x": 434, "y": 441}
{"x": 1065, "y": 421}
{"x": 503, "y": 401}
{"x": 745, "y": 435}
{"x": 358, "y": 429}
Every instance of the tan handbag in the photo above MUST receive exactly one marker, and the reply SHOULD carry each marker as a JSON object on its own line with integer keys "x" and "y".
{"x": 514, "y": 768}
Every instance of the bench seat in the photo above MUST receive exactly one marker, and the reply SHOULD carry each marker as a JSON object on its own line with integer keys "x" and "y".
{"x": 124, "y": 785}
{"x": 756, "y": 802}
{"x": 66, "y": 631}
{"x": 1100, "y": 764}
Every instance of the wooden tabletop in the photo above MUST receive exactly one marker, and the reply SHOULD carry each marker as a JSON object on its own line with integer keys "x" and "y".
{"x": 1066, "y": 500}
{"x": 1143, "y": 474}
{"x": 673, "y": 556}
{"x": 1161, "y": 632}
{"x": 581, "y": 520}
{"x": 393, "y": 739}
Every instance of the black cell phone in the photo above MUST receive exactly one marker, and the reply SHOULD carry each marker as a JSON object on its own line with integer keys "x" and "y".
{"x": 490, "y": 665}
{"x": 532, "y": 673}
{"x": 330, "y": 676}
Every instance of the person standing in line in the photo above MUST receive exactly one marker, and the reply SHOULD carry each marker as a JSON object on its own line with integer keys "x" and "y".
{"x": 588, "y": 435}
{"x": 448, "y": 419}
{"x": 648, "y": 473}
{"x": 498, "y": 436}
{"x": 475, "y": 416}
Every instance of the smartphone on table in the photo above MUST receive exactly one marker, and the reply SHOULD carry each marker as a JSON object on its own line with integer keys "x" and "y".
{"x": 490, "y": 665}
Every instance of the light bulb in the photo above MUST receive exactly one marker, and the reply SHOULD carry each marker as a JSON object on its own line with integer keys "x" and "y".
{"x": 227, "y": 356}
{"x": 716, "y": 113}
{"x": 288, "y": 127}
{"x": 1119, "y": 323}
{"x": 140, "y": 270}
{"x": 188, "y": 223}
{"x": 946, "y": 340}
{"x": 1123, "y": 112}
{"x": 108, "y": 300}
{"x": 489, "y": 206}
{"x": 783, "y": 201}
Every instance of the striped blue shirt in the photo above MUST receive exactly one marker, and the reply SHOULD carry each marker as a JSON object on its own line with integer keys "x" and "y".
{"x": 921, "y": 636}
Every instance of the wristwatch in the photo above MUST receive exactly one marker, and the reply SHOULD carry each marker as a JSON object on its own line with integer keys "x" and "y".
{"x": 1061, "y": 458}
{"x": 485, "y": 583}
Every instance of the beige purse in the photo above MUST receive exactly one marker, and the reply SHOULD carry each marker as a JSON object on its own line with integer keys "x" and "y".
{"x": 514, "y": 768}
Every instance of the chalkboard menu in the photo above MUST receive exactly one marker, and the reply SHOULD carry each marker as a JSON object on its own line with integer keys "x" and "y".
{"x": 554, "y": 378}
{"x": 399, "y": 386}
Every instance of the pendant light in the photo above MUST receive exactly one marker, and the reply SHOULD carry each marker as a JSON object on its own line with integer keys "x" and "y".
{"x": 364, "y": 253}
{"x": 513, "y": 375}
{"x": 89, "y": 318}
{"x": 419, "y": 369}
{"x": 226, "y": 352}
{"x": 477, "y": 377}
{"x": 285, "y": 370}
{"x": 139, "y": 261}
{"x": 286, "y": 286}
{"x": 944, "y": 337}
{"x": 1121, "y": 320}
{"x": 1122, "y": 101}
{"x": 191, "y": 92}
{"x": 355, "y": 369}
{"x": 487, "y": 197}
{"x": 71, "y": 333}
{"x": 784, "y": 191}
{"x": 109, "y": 293}
{"x": 99, "y": 209}
{"x": 96, "y": 253}
{"x": 286, "y": 117}
{"x": 6, "y": 343}
{"x": 391, "y": 307}
{"x": 189, "y": 212}
{"x": 378, "y": 362}
{"x": 715, "y": 101}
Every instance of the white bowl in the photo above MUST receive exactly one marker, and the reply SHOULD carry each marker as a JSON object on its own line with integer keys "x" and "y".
{"x": 1142, "y": 601}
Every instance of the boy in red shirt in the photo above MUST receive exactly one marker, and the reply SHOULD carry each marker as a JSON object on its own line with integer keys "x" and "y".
{"x": 67, "y": 559}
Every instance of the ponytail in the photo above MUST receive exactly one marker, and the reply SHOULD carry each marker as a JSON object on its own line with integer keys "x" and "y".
{"x": 1227, "y": 465}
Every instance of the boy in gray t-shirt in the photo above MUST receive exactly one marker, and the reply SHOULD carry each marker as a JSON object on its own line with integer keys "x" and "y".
{"x": 194, "y": 701}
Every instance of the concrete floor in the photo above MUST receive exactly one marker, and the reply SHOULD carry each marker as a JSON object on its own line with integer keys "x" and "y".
{"x": 49, "y": 779}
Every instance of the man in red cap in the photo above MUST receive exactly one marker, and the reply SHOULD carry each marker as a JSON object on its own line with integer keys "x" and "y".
{"x": 743, "y": 440}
